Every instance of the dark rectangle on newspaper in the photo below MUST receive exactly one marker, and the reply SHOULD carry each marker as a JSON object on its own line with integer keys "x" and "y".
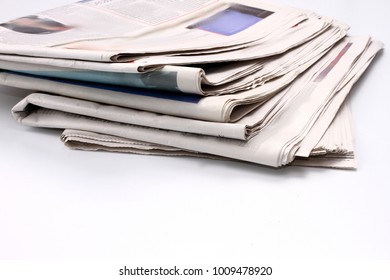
{"x": 188, "y": 98}
{"x": 233, "y": 20}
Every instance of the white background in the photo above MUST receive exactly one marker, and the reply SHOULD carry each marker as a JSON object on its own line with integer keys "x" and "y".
{"x": 61, "y": 204}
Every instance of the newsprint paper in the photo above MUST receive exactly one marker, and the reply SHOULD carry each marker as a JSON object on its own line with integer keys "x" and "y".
{"x": 291, "y": 123}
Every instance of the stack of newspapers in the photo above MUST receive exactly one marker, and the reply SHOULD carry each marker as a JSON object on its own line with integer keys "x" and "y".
{"x": 246, "y": 80}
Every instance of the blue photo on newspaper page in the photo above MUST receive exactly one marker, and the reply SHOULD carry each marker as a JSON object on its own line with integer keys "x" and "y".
{"x": 233, "y": 20}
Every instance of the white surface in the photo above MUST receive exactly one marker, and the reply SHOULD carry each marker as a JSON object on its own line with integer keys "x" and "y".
{"x": 56, "y": 203}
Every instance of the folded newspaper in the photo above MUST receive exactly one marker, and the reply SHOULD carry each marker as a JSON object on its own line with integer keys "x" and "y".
{"x": 335, "y": 149}
{"x": 137, "y": 30}
{"x": 210, "y": 79}
{"x": 248, "y": 81}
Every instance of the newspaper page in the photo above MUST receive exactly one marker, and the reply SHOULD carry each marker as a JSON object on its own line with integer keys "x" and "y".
{"x": 274, "y": 146}
{"x": 90, "y": 141}
{"x": 312, "y": 139}
{"x": 296, "y": 35}
{"x": 336, "y": 147}
{"x": 224, "y": 108}
{"x": 243, "y": 129}
{"x": 214, "y": 79}
{"x": 117, "y": 30}
{"x": 334, "y": 150}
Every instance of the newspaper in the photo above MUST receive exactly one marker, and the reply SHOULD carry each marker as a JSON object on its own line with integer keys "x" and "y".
{"x": 90, "y": 141}
{"x": 117, "y": 30}
{"x": 224, "y": 108}
{"x": 306, "y": 30}
{"x": 208, "y": 80}
{"x": 335, "y": 149}
{"x": 243, "y": 129}
{"x": 277, "y": 143}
